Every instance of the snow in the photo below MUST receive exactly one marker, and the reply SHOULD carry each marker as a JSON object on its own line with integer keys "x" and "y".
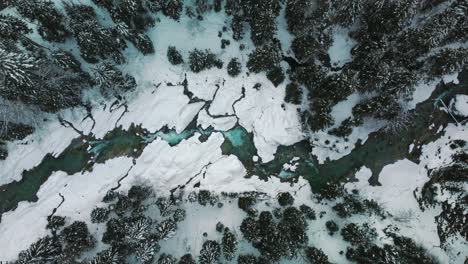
{"x": 337, "y": 146}
{"x": 220, "y": 123}
{"x": 272, "y": 122}
{"x": 459, "y": 105}
{"x": 25, "y": 154}
{"x": 26, "y": 224}
{"x": 165, "y": 167}
{"x": 156, "y": 104}
{"x": 398, "y": 182}
{"x": 225, "y": 98}
{"x": 424, "y": 88}
{"x": 439, "y": 153}
{"x": 340, "y": 51}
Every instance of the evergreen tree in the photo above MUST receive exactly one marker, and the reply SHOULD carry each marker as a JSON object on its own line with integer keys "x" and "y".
{"x": 44, "y": 250}
{"x": 172, "y": 8}
{"x": 16, "y": 70}
{"x": 265, "y": 58}
{"x": 210, "y": 252}
{"x": 76, "y": 238}
{"x": 95, "y": 41}
{"x": 229, "y": 245}
{"x": 108, "y": 256}
{"x": 51, "y": 21}
{"x": 234, "y": 67}
{"x": 166, "y": 259}
{"x": 110, "y": 79}
{"x": 187, "y": 259}
{"x": 146, "y": 250}
{"x": 12, "y": 28}
{"x": 167, "y": 229}
{"x": 316, "y": 256}
{"x": 200, "y": 60}
{"x": 174, "y": 56}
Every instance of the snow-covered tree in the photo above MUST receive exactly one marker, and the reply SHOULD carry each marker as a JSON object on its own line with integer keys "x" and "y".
{"x": 234, "y": 67}
{"x": 108, "y": 256}
{"x": 165, "y": 205}
{"x": 16, "y": 69}
{"x": 229, "y": 244}
{"x": 187, "y": 259}
{"x": 41, "y": 251}
{"x": 174, "y": 56}
{"x": 347, "y": 12}
{"x": 316, "y": 256}
{"x": 110, "y": 79}
{"x": 76, "y": 238}
{"x": 66, "y": 60}
{"x": 166, "y": 259}
{"x": 179, "y": 215}
{"x": 138, "y": 229}
{"x": 12, "y": 28}
{"x": 210, "y": 252}
{"x": 51, "y": 21}
{"x": 146, "y": 250}
{"x": 262, "y": 15}
{"x": 265, "y": 58}
{"x": 172, "y": 8}
{"x": 55, "y": 222}
{"x": 200, "y": 60}
{"x": 167, "y": 229}
{"x": 448, "y": 61}
{"x": 99, "y": 215}
{"x": 94, "y": 40}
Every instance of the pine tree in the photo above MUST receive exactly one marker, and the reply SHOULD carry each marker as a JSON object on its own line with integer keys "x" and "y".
{"x": 167, "y": 229}
{"x": 146, "y": 250}
{"x": 347, "y": 12}
{"x": 174, "y": 56}
{"x": 165, "y": 206}
{"x": 187, "y": 259}
{"x": 179, "y": 215}
{"x": 95, "y": 41}
{"x": 172, "y": 8}
{"x": 108, "y": 256}
{"x": 66, "y": 60}
{"x": 16, "y": 69}
{"x": 448, "y": 61}
{"x": 200, "y": 60}
{"x": 210, "y": 252}
{"x": 12, "y": 28}
{"x": 109, "y": 78}
{"x": 263, "y": 15}
{"x": 76, "y": 238}
{"x": 166, "y": 259}
{"x": 229, "y": 245}
{"x": 51, "y": 21}
{"x": 234, "y": 67}
{"x": 138, "y": 230}
{"x": 43, "y": 250}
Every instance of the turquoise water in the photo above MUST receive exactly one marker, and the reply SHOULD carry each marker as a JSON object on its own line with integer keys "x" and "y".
{"x": 86, "y": 151}
{"x": 236, "y": 136}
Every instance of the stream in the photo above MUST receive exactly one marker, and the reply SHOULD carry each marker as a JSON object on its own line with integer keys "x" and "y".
{"x": 379, "y": 150}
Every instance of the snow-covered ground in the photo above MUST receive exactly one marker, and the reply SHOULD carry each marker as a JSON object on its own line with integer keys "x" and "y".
{"x": 160, "y": 101}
